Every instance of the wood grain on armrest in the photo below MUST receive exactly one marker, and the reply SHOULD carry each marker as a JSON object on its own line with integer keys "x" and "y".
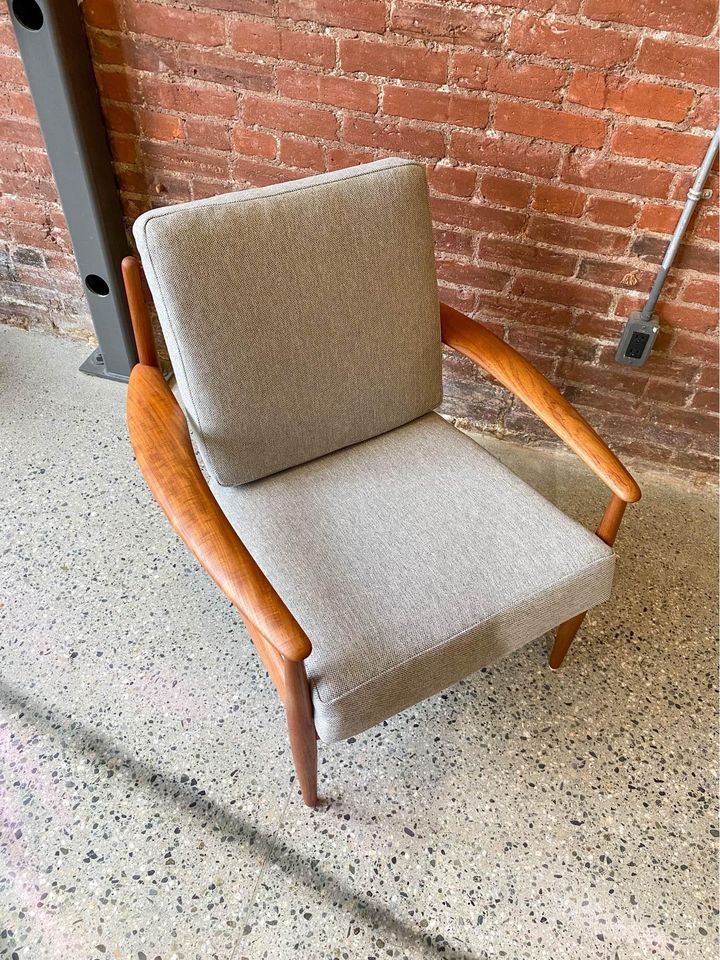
{"x": 527, "y": 383}
{"x": 161, "y": 441}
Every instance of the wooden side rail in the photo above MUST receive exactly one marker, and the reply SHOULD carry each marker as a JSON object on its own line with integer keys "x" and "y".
{"x": 527, "y": 383}
{"x": 161, "y": 442}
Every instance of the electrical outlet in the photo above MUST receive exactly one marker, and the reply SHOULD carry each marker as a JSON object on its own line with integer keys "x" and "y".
{"x": 637, "y": 339}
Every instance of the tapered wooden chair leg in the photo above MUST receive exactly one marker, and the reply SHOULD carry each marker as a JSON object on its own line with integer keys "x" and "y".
{"x": 564, "y": 636}
{"x": 303, "y": 739}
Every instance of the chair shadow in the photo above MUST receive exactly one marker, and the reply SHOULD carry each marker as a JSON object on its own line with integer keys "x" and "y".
{"x": 193, "y": 799}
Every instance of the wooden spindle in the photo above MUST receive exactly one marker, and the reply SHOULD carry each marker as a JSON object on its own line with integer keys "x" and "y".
{"x": 142, "y": 326}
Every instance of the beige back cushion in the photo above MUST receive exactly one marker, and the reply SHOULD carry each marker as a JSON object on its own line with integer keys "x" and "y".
{"x": 299, "y": 318}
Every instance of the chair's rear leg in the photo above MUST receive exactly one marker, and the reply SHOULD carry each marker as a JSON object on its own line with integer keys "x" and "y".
{"x": 607, "y": 531}
{"x": 564, "y": 636}
{"x": 303, "y": 740}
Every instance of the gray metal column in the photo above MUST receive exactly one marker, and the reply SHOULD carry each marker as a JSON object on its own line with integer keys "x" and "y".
{"x": 54, "y": 49}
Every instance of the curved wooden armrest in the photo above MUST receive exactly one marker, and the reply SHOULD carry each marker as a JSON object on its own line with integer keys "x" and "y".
{"x": 520, "y": 377}
{"x": 161, "y": 441}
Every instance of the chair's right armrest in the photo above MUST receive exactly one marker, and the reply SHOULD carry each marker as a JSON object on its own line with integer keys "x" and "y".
{"x": 161, "y": 441}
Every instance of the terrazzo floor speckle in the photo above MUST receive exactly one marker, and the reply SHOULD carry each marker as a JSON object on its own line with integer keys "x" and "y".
{"x": 147, "y": 803}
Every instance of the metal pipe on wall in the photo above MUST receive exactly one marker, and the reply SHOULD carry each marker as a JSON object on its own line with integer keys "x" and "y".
{"x": 642, "y": 326}
{"x": 695, "y": 194}
{"x": 53, "y": 46}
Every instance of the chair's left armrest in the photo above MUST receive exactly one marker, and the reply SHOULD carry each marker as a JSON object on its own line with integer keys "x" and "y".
{"x": 527, "y": 383}
{"x": 161, "y": 441}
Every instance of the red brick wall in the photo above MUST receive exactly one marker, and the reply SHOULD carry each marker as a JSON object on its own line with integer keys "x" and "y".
{"x": 560, "y": 138}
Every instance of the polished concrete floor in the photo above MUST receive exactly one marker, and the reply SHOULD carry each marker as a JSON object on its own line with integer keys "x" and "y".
{"x": 147, "y": 803}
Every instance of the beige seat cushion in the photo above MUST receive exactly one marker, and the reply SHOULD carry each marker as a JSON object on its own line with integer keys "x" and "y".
{"x": 299, "y": 318}
{"x": 412, "y": 560}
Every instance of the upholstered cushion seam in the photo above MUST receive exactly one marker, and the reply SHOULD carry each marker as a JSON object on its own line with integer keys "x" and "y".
{"x": 222, "y": 201}
{"x": 195, "y": 415}
{"x": 551, "y": 591}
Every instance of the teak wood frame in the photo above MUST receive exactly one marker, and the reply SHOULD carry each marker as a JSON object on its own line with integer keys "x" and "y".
{"x": 161, "y": 442}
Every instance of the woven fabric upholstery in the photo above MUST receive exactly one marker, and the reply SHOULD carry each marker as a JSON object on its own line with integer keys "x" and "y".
{"x": 412, "y": 560}
{"x": 299, "y": 318}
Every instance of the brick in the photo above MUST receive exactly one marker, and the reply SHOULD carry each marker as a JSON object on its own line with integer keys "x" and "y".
{"x": 457, "y": 181}
{"x": 558, "y": 200}
{"x": 17, "y": 103}
{"x": 216, "y": 66}
{"x": 453, "y": 241}
{"x": 183, "y": 98}
{"x": 368, "y": 15}
{"x": 527, "y": 256}
{"x": 566, "y": 41}
{"x": 629, "y": 97}
{"x": 589, "y": 170}
{"x": 709, "y": 376}
{"x": 610, "y": 273}
{"x": 11, "y": 69}
{"x": 653, "y": 143}
{"x": 706, "y": 226}
{"x": 690, "y": 64}
{"x": 439, "y": 21}
{"x": 219, "y": 67}
{"x": 685, "y": 16}
{"x": 438, "y": 107}
{"x": 565, "y": 292}
{"x": 664, "y": 392}
{"x": 687, "y": 318}
{"x": 335, "y": 91}
{"x": 659, "y": 219}
{"x": 685, "y": 179}
{"x": 471, "y": 275}
{"x": 264, "y": 39}
{"x": 393, "y": 135}
{"x": 476, "y": 216}
{"x": 526, "y": 311}
{"x": 255, "y": 173}
{"x": 29, "y": 162}
{"x": 690, "y": 256}
{"x": 117, "y": 85}
{"x": 702, "y": 291}
{"x": 614, "y": 213}
{"x": 21, "y": 132}
{"x": 505, "y": 191}
{"x": 261, "y": 8}
{"x": 576, "y": 236}
{"x": 179, "y": 159}
{"x": 205, "y": 133}
{"x": 337, "y": 158}
{"x": 120, "y": 118}
{"x": 171, "y": 23}
{"x": 539, "y": 160}
{"x": 706, "y": 400}
{"x": 463, "y": 300}
{"x": 706, "y": 112}
{"x": 254, "y": 143}
{"x": 107, "y": 50}
{"x": 393, "y": 61}
{"x": 123, "y": 149}
{"x": 496, "y": 75}
{"x": 550, "y": 124}
{"x": 290, "y": 118}
{"x": 302, "y": 153}
{"x": 102, "y": 14}
{"x": 160, "y": 126}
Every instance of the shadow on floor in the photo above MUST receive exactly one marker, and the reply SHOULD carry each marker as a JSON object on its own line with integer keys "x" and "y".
{"x": 192, "y": 798}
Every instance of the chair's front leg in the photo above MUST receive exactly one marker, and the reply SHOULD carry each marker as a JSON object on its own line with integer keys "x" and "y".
{"x": 607, "y": 531}
{"x": 303, "y": 739}
{"x": 564, "y": 636}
